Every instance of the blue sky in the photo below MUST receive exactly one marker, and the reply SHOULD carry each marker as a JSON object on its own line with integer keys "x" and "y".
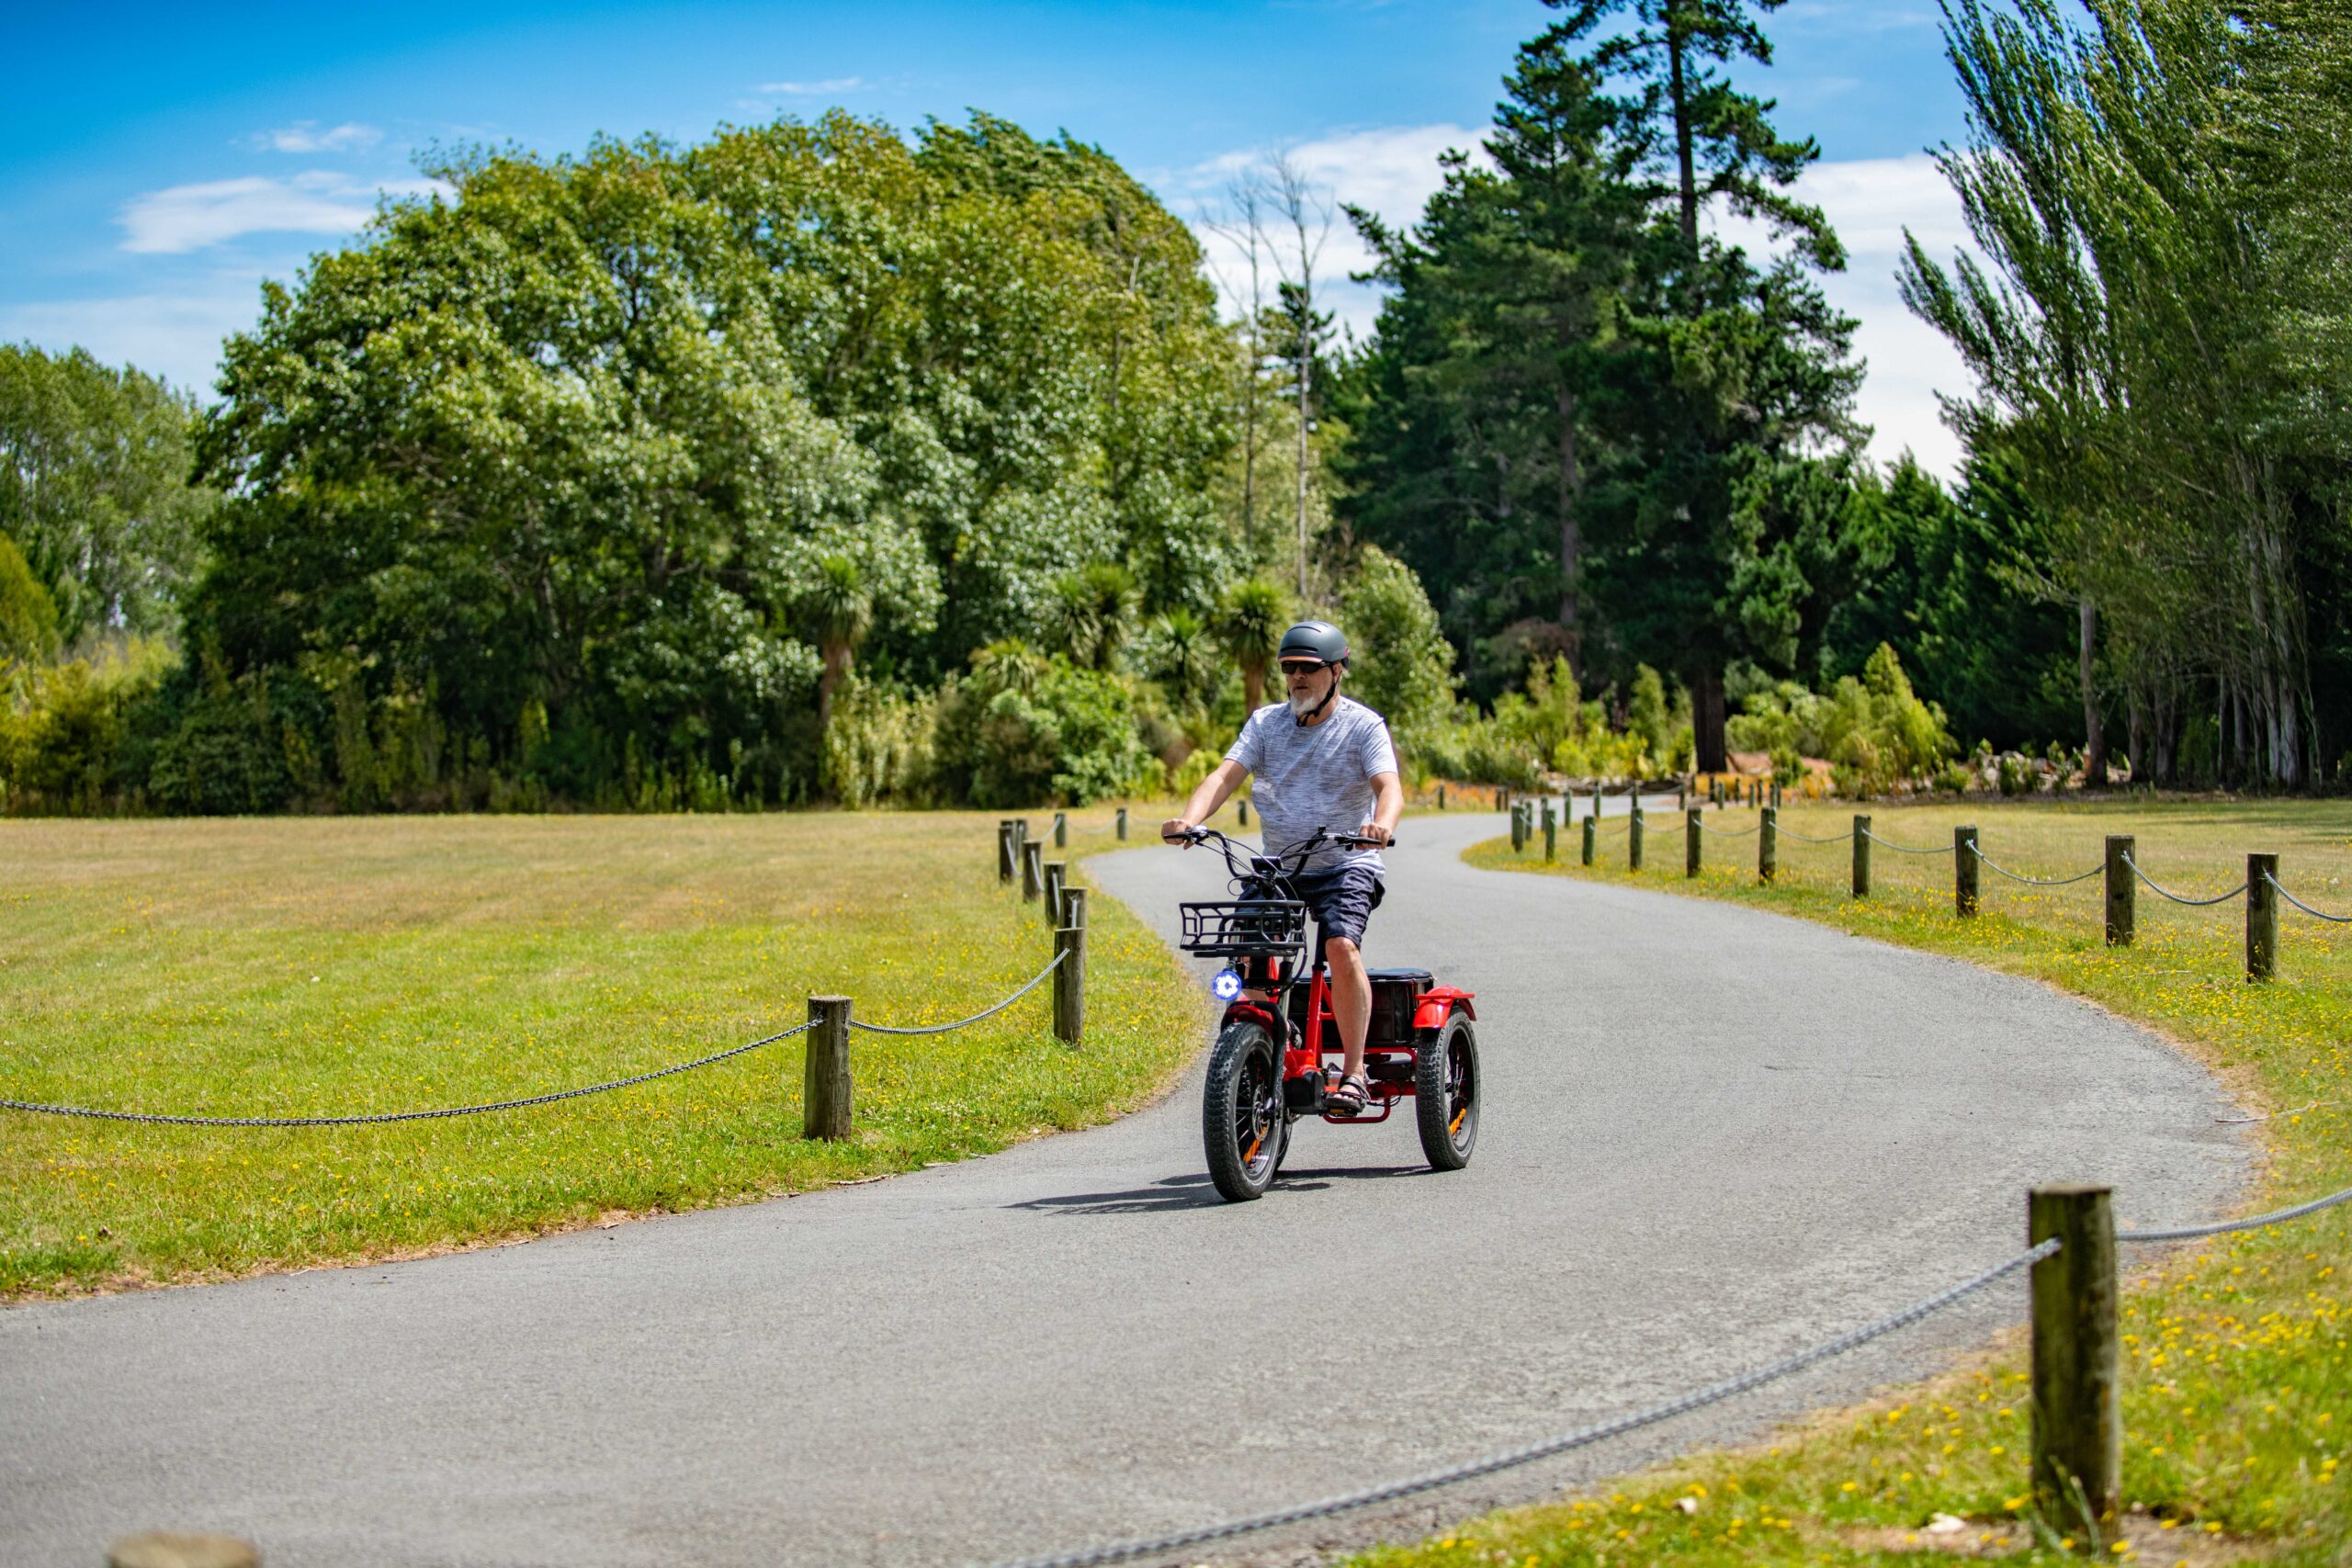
{"x": 157, "y": 163}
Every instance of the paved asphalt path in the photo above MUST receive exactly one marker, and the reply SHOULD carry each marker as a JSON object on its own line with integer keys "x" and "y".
{"x": 1713, "y": 1137}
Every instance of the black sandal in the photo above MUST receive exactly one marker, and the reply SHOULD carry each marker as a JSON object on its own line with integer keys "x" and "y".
{"x": 1350, "y": 1098}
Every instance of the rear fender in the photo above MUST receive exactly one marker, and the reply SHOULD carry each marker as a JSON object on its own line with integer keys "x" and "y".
{"x": 1440, "y": 1003}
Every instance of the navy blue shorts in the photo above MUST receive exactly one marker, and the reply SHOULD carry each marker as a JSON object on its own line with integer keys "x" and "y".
{"x": 1341, "y": 900}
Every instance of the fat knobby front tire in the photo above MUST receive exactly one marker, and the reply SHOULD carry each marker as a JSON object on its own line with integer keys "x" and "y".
{"x": 1445, "y": 1095}
{"x": 1242, "y": 1125}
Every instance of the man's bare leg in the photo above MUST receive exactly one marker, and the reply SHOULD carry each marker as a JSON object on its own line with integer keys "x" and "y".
{"x": 1351, "y": 1001}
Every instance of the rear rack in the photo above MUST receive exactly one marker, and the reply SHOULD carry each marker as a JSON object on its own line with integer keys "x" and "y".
{"x": 1248, "y": 928}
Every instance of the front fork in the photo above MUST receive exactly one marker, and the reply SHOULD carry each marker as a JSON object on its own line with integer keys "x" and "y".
{"x": 1266, "y": 995}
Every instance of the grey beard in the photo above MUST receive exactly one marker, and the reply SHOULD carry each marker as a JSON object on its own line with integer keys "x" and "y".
{"x": 1300, "y": 706}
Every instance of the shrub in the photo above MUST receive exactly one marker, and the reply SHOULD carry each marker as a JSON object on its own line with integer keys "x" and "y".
{"x": 64, "y": 729}
{"x": 878, "y": 746}
{"x": 1020, "y": 730}
{"x": 1874, "y": 731}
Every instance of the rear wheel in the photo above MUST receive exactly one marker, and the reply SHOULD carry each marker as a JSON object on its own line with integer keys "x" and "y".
{"x": 1242, "y": 1125}
{"x": 1445, "y": 1095}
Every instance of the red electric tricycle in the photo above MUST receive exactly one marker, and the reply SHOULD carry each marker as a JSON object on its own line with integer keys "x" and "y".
{"x": 1278, "y": 1037}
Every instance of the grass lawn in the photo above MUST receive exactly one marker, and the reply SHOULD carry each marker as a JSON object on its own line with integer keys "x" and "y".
{"x": 2238, "y": 1352}
{"x": 334, "y": 966}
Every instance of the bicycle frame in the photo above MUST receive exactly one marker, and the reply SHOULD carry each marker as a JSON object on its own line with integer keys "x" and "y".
{"x": 1307, "y": 1040}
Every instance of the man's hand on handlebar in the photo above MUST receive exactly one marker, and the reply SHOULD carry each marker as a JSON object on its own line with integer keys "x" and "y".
{"x": 1176, "y": 830}
{"x": 1373, "y": 834}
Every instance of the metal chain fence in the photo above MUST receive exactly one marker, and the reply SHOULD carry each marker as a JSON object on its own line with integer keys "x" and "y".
{"x": 1034, "y": 981}
{"x": 1904, "y": 849}
{"x": 156, "y": 1119}
{"x": 2306, "y": 909}
{"x": 398, "y": 1115}
{"x": 2168, "y": 893}
{"x": 1583, "y": 1436}
{"x": 1983, "y": 859}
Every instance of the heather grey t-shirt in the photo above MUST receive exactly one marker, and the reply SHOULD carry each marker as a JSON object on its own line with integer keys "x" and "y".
{"x": 1311, "y": 776}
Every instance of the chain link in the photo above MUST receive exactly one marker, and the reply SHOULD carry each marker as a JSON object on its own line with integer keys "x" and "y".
{"x": 1788, "y": 833}
{"x": 1037, "y": 980}
{"x": 2223, "y": 1227}
{"x": 2034, "y": 881}
{"x": 1729, "y": 832}
{"x": 1904, "y": 849}
{"x": 2194, "y": 903}
{"x": 1583, "y": 1436}
{"x": 2306, "y": 909}
{"x": 395, "y": 1115}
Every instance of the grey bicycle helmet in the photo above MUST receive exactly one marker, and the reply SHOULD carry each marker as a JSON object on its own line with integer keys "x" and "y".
{"x": 1315, "y": 639}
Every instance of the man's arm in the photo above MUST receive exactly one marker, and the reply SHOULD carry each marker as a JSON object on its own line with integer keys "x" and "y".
{"x": 1387, "y": 807}
{"x": 1213, "y": 791}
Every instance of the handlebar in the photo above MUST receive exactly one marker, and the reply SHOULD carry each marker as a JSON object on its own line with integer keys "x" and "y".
{"x": 1306, "y": 846}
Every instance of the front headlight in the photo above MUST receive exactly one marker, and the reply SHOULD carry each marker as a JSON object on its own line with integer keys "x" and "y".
{"x": 1226, "y": 986}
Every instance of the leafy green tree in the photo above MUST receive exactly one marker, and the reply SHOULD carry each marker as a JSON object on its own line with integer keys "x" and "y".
{"x": 840, "y": 613}
{"x": 1486, "y": 385}
{"x": 1401, "y": 666}
{"x": 1251, "y": 620}
{"x": 620, "y": 461}
{"x": 27, "y": 614}
{"x": 1180, "y": 651}
{"x": 93, "y": 488}
{"x": 2162, "y": 313}
{"x": 1744, "y": 367}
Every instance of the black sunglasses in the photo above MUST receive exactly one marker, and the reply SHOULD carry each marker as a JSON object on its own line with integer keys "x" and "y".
{"x": 1303, "y": 666}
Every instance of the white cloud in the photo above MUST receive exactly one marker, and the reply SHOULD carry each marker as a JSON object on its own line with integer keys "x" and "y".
{"x": 806, "y": 89}
{"x": 176, "y": 337}
{"x": 186, "y": 217}
{"x": 1869, "y": 202}
{"x": 304, "y": 136}
{"x": 1390, "y": 171}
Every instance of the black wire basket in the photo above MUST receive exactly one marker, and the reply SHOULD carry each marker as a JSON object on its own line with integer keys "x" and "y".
{"x": 1248, "y": 928}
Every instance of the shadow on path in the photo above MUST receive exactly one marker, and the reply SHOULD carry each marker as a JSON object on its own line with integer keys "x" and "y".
{"x": 1194, "y": 1192}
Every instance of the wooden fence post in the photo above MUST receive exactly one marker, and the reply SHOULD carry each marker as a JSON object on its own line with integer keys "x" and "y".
{"x": 1440, "y": 797}
{"x": 1966, "y": 873}
{"x": 824, "y": 1078}
{"x": 1682, "y": 797}
{"x": 1033, "y": 869}
{"x": 1244, "y": 803}
{"x": 1055, "y": 872}
{"x": 1007, "y": 857}
{"x": 1634, "y": 837}
{"x": 2261, "y": 916}
{"x": 1768, "y": 844}
{"x": 2077, "y": 1426}
{"x": 1061, "y": 829}
{"x": 1551, "y": 831}
{"x": 1691, "y": 831}
{"x": 1070, "y": 979}
{"x": 1122, "y": 824}
{"x": 2122, "y": 892}
{"x": 1862, "y": 856}
{"x": 1591, "y": 833}
{"x": 1776, "y": 796}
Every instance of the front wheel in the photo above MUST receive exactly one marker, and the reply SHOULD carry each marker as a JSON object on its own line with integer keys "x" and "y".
{"x": 1241, "y": 1111}
{"x": 1445, "y": 1095}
